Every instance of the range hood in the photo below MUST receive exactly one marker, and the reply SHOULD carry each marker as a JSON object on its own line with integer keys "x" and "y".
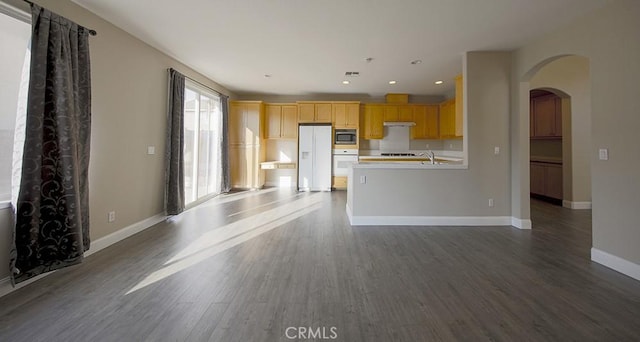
{"x": 396, "y": 137}
{"x": 399, "y": 123}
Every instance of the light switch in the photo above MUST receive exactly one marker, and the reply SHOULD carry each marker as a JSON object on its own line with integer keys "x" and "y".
{"x": 496, "y": 150}
{"x": 363, "y": 179}
{"x": 603, "y": 154}
{"x": 151, "y": 150}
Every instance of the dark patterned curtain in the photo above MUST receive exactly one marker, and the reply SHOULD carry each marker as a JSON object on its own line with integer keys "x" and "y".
{"x": 174, "y": 189}
{"x": 226, "y": 170}
{"x": 52, "y": 208}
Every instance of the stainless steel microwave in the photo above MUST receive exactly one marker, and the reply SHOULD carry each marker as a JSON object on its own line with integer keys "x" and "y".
{"x": 345, "y": 137}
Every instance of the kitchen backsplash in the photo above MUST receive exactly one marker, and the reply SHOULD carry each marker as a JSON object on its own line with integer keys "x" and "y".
{"x": 417, "y": 145}
{"x": 438, "y": 145}
{"x": 546, "y": 148}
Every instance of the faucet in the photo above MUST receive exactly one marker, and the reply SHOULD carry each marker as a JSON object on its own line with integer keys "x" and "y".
{"x": 431, "y": 155}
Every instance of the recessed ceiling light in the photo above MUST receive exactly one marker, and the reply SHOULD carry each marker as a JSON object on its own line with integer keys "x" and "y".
{"x": 345, "y": 82}
{"x": 417, "y": 61}
{"x": 267, "y": 75}
{"x": 392, "y": 82}
{"x": 368, "y": 59}
{"x": 439, "y": 82}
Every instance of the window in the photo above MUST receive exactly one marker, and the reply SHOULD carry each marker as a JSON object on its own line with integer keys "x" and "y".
{"x": 202, "y": 143}
{"x": 15, "y": 36}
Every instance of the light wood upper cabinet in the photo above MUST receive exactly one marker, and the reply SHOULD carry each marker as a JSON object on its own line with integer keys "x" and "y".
{"x": 371, "y": 122}
{"x": 314, "y": 112}
{"x": 546, "y": 117}
{"x": 426, "y": 118}
{"x": 394, "y": 113}
{"x": 448, "y": 119}
{"x": 458, "y": 107}
{"x": 345, "y": 114}
{"x": 289, "y": 126}
{"x": 405, "y": 113}
{"x": 390, "y": 113}
{"x": 245, "y": 122}
{"x": 281, "y": 121}
{"x": 451, "y": 114}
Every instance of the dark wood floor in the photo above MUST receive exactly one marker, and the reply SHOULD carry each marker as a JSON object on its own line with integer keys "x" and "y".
{"x": 248, "y": 266}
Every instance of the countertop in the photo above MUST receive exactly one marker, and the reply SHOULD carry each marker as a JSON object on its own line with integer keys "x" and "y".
{"x": 543, "y": 159}
{"x": 444, "y": 160}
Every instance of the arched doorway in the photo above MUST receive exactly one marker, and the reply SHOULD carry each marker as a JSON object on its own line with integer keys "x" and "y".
{"x": 562, "y": 82}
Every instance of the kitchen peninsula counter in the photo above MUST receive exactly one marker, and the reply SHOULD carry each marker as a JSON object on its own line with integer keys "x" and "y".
{"x": 373, "y": 159}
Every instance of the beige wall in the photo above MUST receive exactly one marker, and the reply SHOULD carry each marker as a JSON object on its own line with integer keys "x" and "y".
{"x": 609, "y": 39}
{"x": 129, "y": 80}
{"x": 429, "y": 192}
{"x": 571, "y": 75}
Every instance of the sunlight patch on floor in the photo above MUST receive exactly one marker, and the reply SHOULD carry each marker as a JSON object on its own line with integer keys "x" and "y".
{"x": 226, "y": 198}
{"x": 231, "y": 235}
{"x": 265, "y": 205}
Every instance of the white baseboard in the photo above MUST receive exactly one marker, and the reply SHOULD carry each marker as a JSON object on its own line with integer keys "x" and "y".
{"x": 97, "y": 245}
{"x": 123, "y": 233}
{"x": 280, "y": 184}
{"x": 623, "y": 266}
{"x": 520, "y": 223}
{"x": 576, "y": 205}
{"x": 436, "y": 220}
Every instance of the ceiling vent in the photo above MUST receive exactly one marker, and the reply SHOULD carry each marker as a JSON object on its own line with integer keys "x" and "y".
{"x": 352, "y": 73}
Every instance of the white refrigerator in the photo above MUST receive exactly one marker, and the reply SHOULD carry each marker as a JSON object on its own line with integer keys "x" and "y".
{"x": 314, "y": 157}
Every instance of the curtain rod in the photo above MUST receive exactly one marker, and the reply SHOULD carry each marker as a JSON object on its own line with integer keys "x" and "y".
{"x": 200, "y": 83}
{"x": 91, "y": 32}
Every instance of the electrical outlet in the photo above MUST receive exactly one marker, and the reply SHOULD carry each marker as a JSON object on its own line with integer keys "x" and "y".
{"x": 151, "y": 150}
{"x": 603, "y": 154}
{"x": 490, "y": 202}
{"x": 427, "y": 146}
{"x": 363, "y": 179}
{"x": 112, "y": 216}
{"x": 451, "y": 146}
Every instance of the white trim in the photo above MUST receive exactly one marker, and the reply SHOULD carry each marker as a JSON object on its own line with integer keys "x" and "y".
{"x": 5, "y": 205}
{"x": 123, "y": 233}
{"x": 520, "y": 223}
{"x": 349, "y": 214}
{"x": 436, "y": 220}
{"x": 616, "y": 263}
{"x": 576, "y": 205}
{"x": 15, "y": 12}
{"x": 430, "y": 220}
{"x": 6, "y": 288}
{"x": 97, "y": 245}
{"x": 280, "y": 185}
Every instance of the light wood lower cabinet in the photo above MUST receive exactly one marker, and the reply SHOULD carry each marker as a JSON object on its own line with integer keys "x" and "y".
{"x": 546, "y": 179}
{"x": 339, "y": 182}
{"x": 244, "y": 162}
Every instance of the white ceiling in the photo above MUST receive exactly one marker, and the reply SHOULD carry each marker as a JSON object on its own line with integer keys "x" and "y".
{"x": 308, "y": 45}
